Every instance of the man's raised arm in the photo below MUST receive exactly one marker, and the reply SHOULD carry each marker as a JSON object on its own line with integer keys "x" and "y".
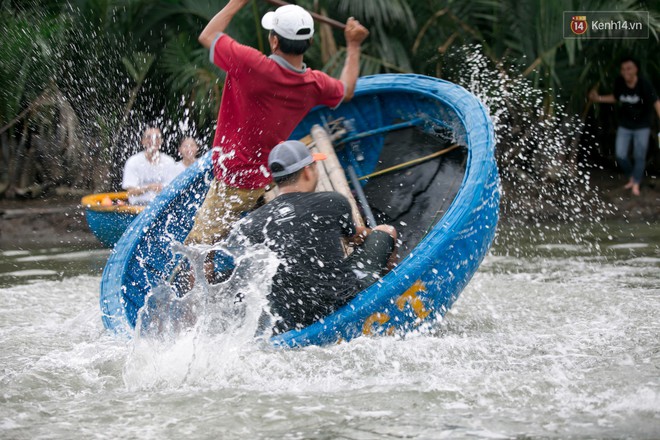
{"x": 219, "y": 23}
{"x": 355, "y": 34}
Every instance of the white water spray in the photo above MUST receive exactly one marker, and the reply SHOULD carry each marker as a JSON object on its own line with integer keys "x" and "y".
{"x": 207, "y": 331}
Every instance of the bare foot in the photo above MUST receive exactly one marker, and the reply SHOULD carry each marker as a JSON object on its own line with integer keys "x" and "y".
{"x": 635, "y": 189}
{"x": 630, "y": 184}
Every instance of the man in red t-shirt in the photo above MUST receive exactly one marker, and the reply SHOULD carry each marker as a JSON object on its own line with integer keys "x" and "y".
{"x": 263, "y": 100}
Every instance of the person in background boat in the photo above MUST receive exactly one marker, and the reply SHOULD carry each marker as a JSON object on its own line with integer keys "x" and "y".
{"x": 148, "y": 172}
{"x": 188, "y": 150}
{"x": 305, "y": 229}
{"x": 263, "y": 100}
{"x": 637, "y": 99}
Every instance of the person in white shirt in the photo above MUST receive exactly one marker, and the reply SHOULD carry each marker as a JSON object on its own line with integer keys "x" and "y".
{"x": 148, "y": 172}
{"x": 188, "y": 151}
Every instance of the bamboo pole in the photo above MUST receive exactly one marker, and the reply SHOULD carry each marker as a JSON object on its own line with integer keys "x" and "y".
{"x": 324, "y": 183}
{"x": 335, "y": 171}
{"x": 410, "y": 163}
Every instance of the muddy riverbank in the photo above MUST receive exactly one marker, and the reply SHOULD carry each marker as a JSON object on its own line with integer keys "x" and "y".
{"x": 60, "y": 220}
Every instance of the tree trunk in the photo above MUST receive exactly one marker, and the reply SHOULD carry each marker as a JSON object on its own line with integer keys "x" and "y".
{"x": 16, "y": 163}
{"x": 7, "y": 146}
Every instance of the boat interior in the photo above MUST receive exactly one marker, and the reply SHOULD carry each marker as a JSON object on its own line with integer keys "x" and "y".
{"x": 410, "y": 185}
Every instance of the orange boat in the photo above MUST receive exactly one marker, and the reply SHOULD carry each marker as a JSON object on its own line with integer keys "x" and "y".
{"x": 109, "y": 215}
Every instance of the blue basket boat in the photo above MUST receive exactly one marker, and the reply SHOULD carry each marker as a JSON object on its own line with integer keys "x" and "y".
{"x": 447, "y": 220}
{"x": 109, "y": 215}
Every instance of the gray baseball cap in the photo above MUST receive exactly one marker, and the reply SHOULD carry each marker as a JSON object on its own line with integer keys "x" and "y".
{"x": 292, "y": 156}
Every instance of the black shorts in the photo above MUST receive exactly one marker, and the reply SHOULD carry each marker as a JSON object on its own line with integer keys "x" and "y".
{"x": 370, "y": 258}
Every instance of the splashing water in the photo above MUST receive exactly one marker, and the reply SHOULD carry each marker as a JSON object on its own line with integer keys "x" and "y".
{"x": 176, "y": 336}
{"x": 561, "y": 343}
{"x": 537, "y": 153}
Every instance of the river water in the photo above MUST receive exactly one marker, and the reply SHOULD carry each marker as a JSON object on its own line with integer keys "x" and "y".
{"x": 556, "y": 337}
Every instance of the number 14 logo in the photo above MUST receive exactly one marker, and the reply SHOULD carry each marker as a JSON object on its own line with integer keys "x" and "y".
{"x": 579, "y": 24}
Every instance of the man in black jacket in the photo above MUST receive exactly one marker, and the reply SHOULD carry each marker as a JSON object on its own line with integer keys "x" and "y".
{"x": 305, "y": 229}
{"x": 636, "y": 100}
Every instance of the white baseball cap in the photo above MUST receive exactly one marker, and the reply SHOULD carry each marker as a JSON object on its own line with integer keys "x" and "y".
{"x": 291, "y": 22}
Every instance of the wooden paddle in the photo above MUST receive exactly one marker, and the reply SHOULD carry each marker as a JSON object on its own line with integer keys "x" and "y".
{"x": 410, "y": 163}
{"x": 315, "y": 16}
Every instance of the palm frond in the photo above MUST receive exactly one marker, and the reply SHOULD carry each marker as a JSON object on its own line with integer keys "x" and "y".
{"x": 387, "y": 13}
{"x": 192, "y": 78}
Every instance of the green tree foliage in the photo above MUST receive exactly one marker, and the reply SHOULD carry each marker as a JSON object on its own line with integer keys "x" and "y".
{"x": 86, "y": 75}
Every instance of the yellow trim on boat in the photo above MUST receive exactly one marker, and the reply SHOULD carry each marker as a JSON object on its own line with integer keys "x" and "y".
{"x": 94, "y": 202}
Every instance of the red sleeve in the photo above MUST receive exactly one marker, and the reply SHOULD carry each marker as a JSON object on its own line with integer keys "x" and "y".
{"x": 332, "y": 90}
{"x": 232, "y": 57}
